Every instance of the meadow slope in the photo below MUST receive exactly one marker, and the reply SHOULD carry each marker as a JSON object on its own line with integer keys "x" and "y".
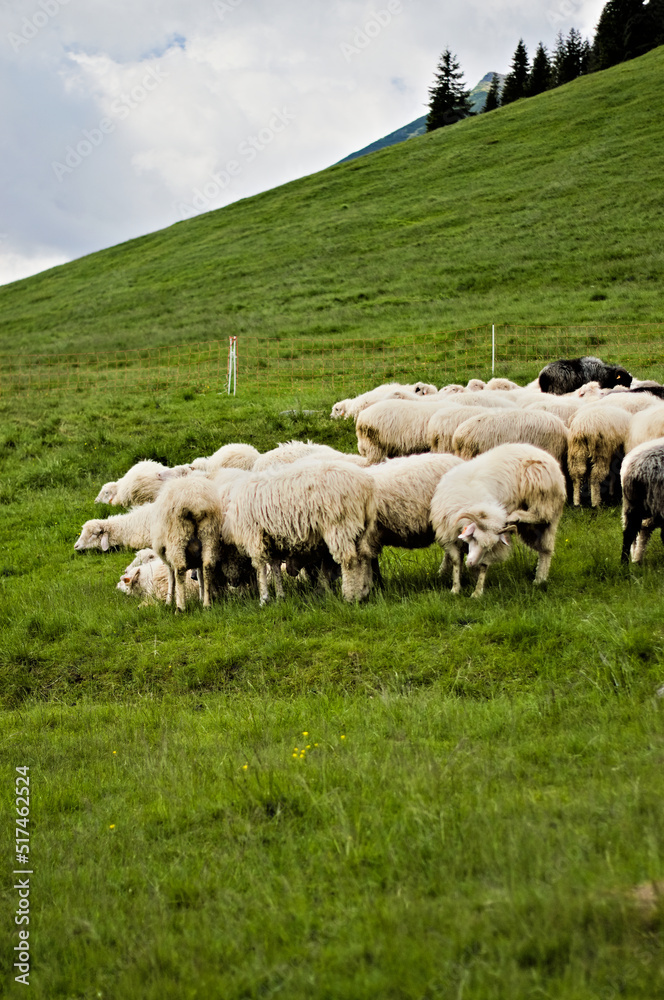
{"x": 547, "y": 211}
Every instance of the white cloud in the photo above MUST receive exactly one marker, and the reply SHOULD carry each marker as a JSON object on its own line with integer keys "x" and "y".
{"x": 143, "y": 103}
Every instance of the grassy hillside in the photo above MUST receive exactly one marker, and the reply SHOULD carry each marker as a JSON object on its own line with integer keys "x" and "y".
{"x": 547, "y": 211}
{"x": 425, "y": 797}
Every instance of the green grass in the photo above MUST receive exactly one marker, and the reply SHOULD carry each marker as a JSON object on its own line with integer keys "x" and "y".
{"x": 480, "y": 800}
{"x": 480, "y": 830}
{"x": 547, "y": 211}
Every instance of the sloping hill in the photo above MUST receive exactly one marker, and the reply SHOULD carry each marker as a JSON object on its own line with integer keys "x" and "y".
{"x": 546, "y": 211}
{"x": 419, "y": 126}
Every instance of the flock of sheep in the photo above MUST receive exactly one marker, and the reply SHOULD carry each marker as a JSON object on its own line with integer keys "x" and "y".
{"x": 468, "y": 467}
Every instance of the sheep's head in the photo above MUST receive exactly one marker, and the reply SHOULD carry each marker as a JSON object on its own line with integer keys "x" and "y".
{"x": 106, "y": 493}
{"x": 128, "y": 580}
{"x": 486, "y": 542}
{"x": 425, "y": 389}
{"x": 615, "y": 375}
{"x": 94, "y": 535}
{"x": 339, "y": 409}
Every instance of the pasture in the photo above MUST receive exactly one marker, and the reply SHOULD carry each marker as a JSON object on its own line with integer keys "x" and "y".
{"x": 424, "y": 797}
{"x": 421, "y": 796}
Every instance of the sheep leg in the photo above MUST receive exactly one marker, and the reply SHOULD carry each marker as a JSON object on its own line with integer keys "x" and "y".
{"x": 481, "y": 577}
{"x": 276, "y": 576}
{"x": 207, "y": 574}
{"x": 642, "y": 539}
{"x": 180, "y": 593}
{"x": 171, "y": 585}
{"x": 598, "y": 474}
{"x": 455, "y": 559}
{"x": 633, "y": 521}
{"x": 261, "y": 576}
{"x": 576, "y": 486}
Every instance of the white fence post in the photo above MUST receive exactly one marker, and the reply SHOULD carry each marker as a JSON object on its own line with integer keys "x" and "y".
{"x": 232, "y": 365}
{"x": 493, "y": 350}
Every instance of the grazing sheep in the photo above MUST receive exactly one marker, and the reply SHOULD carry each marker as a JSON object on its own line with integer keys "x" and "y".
{"x": 559, "y": 406}
{"x": 630, "y": 402}
{"x": 229, "y": 456}
{"x": 143, "y": 481}
{"x": 295, "y": 509}
{"x": 186, "y": 534}
{"x": 295, "y": 451}
{"x": 486, "y": 430}
{"x": 456, "y": 387}
{"x": 352, "y": 406}
{"x": 589, "y": 390}
{"x": 645, "y": 426}
{"x": 443, "y": 424}
{"x": 404, "y": 488}
{"x": 488, "y": 400}
{"x": 642, "y": 478}
{"x": 120, "y": 531}
{"x": 501, "y": 384}
{"x": 475, "y": 385}
{"x": 150, "y": 580}
{"x": 513, "y": 487}
{"x": 597, "y": 436}
{"x": 395, "y": 427}
{"x": 106, "y": 493}
{"x": 571, "y": 373}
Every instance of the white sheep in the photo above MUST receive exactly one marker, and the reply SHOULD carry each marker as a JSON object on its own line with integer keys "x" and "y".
{"x": 295, "y": 451}
{"x": 631, "y": 402}
{"x": 475, "y": 385}
{"x": 150, "y": 580}
{"x": 395, "y": 427}
{"x": 645, "y": 426}
{"x": 296, "y": 509}
{"x": 229, "y": 456}
{"x": 186, "y": 534}
{"x": 106, "y": 493}
{"x": 444, "y": 423}
{"x": 488, "y": 400}
{"x": 125, "y": 531}
{"x": 142, "y": 482}
{"x": 404, "y": 488}
{"x": 502, "y": 384}
{"x": 597, "y": 435}
{"x": 391, "y": 390}
{"x": 455, "y": 387}
{"x": 513, "y": 487}
{"x": 484, "y": 431}
{"x": 560, "y": 406}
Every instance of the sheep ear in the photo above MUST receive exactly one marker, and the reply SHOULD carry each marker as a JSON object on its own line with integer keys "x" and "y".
{"x": 468, "y": 531}
{"x": 104, "y": 542}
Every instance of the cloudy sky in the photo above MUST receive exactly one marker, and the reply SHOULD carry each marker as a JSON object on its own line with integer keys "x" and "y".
{"x": 119, "y": 118}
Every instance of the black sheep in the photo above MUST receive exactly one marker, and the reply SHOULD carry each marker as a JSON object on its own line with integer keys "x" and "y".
{"x": 642, "y": 477}
{"x": 569, "y": 374}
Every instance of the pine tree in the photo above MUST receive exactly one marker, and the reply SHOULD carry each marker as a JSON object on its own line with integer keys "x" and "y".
{"x": 540, "y": 74}
{"x": 571, "y": 57}
{"x": 516, "y": 80}
{"x": 449, "y": 101}
{"x": 625, "y": 29}
{"x": 493, "y": 96}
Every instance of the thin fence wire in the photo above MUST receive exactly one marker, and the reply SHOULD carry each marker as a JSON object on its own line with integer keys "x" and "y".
{"x": 339, "y": 366}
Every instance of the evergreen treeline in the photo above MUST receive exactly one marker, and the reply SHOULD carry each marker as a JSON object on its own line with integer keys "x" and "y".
{"x": 626, "y": 29}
